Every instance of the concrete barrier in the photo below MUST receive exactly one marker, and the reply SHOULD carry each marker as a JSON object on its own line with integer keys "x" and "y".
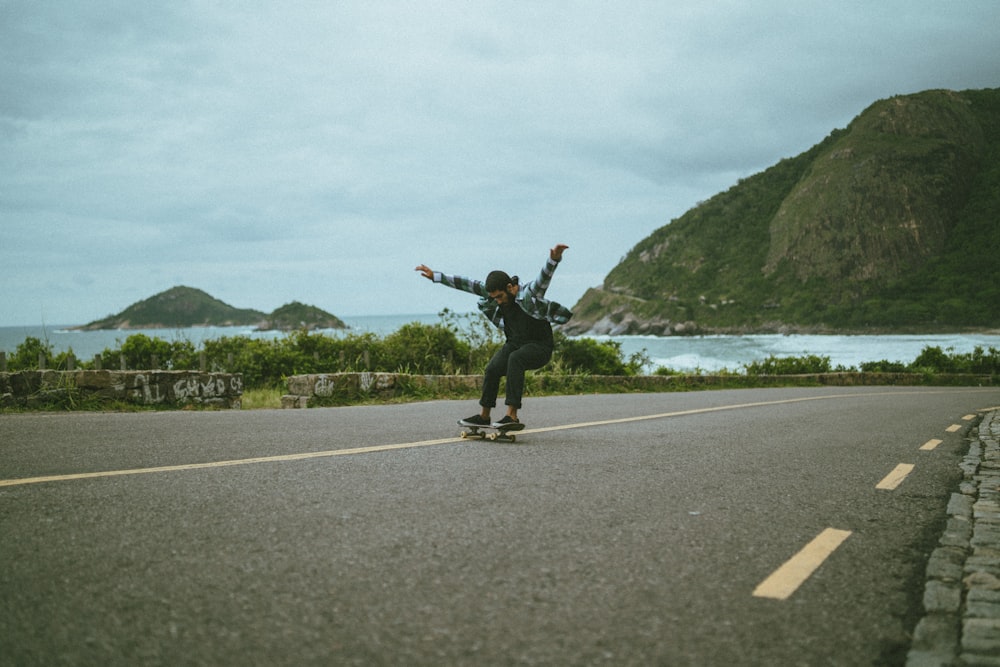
{"x": 41, "y": 389}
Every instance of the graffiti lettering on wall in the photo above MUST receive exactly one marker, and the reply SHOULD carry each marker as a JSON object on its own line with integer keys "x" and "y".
{"x": 324, "y": 386}
{"x": 144, "y": 392}
{"x": 378, "y": 381}
{"x": 155, "y": 389}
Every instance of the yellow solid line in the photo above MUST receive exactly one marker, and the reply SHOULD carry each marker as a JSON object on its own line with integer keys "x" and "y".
{"x": 381, "y": 448}
{"x": 407, "y": 445}
{"x": 953, "y": 428}
{"x": 786, "y": 579}
{"x": 682, "y": 413}
{"x": 896, "y": 477}
{"x": 930, "y": 444}
{"x": 222, "y": 464}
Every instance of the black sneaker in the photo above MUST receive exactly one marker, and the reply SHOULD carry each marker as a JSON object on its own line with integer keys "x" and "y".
{"x": 508, "y": 424}
{"x": 474, "y": 420}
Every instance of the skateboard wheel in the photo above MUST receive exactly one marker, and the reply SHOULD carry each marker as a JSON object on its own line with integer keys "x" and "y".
{"x": 513, "y": 438}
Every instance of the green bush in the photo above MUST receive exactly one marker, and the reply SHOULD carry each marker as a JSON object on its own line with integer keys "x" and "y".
{"x": 593, "y": 357}
{"x": 318, "y": 353}
{"x": 980, "y": 362}
{"x": 789, "y": 365}
{"x": 586, "y": 355}
{"x": 424, "y": 349}
{"x": 139, "y": 350}
{"x": 263, "y": 363}
{"x": 481, "y": 336}
{"x": 27, "y": 353}
{"x": 935, "y": 360}
{"x": 883, "y": 366}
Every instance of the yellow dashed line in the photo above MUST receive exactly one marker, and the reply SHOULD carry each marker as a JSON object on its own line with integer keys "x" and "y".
{"x": 896, "y": 477}
{"x": 787, "y": 578}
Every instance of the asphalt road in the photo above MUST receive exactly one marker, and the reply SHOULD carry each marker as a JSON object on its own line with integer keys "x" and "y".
{"x": 620, "y": 530}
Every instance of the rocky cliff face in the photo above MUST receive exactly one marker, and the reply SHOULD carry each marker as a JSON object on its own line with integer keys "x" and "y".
{"x": 882, "y": 197}
{"x": 868, "y": 230}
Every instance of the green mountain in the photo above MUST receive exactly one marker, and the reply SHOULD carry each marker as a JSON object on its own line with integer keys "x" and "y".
{"x": 297, "y": 315}
{"x": 178, "y": 307}
{"x": 187, "y": 307}
{"x": 892, "y": 224}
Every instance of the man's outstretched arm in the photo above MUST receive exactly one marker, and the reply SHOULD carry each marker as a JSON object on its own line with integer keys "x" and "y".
{"x": 456, "y": 282}
{"x": 545, "y": 277}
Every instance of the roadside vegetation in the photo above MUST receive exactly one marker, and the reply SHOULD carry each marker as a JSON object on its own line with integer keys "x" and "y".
{"x": 457, "y": 345}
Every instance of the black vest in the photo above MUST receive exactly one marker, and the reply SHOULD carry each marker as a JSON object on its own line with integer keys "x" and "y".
{"x": 521, "y": 328}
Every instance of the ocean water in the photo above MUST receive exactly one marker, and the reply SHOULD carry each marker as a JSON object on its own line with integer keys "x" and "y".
{"x": 686, "y": 354}
{"x": 86, "y": 344}
{"x": 715, "y": 353}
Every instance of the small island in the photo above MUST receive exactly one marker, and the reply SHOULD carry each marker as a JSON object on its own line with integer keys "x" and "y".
{"x": 294, "y": 316}
{"x": 182, "y": 307}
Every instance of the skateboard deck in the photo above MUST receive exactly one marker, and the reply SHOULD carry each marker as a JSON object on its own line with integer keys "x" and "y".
{"x": 503, "y": 433}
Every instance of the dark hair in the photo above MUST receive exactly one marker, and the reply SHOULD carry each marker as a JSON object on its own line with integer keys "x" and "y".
{"x": 497, "y": 280}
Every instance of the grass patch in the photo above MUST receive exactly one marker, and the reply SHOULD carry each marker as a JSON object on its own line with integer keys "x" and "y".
{"x": 262, "y": 399}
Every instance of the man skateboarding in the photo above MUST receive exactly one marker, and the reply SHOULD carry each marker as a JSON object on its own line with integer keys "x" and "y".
{"x": 526, "y": 318}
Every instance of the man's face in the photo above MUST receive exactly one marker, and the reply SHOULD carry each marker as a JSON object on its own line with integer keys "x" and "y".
{"x": 504, "y": 296}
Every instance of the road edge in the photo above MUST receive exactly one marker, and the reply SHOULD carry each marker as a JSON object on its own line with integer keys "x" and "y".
{"x": 961, "y": 622}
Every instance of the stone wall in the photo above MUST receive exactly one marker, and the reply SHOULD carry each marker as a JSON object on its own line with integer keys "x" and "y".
{"x": 343, "y": 388}
{"x": 40, "y": 389}
{"x": 340, "y": 388}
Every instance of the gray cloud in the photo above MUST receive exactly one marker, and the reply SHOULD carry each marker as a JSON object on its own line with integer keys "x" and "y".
{"x": 319, "y": 151}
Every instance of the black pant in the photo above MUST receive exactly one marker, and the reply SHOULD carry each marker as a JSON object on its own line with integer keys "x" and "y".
{"x": 512, "y": 361}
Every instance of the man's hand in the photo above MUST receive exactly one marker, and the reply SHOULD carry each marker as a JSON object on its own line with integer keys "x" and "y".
{"x": 557, "y": 252}
{"x": 426, "y": 271}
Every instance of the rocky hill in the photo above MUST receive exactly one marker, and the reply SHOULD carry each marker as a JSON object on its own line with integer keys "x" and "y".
{"x": 892, "y": 224}
{"x": 297, "y": 315}
{"x": 181, "y": 306}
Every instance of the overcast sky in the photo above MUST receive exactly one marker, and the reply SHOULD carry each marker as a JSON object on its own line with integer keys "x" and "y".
{"x": 318, "y": 152}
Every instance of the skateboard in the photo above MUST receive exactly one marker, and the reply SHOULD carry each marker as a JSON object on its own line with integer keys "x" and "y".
{"x": 502, "y": 433}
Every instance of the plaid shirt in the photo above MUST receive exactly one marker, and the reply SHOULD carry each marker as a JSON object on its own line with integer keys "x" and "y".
{"x": 530, "y": 297}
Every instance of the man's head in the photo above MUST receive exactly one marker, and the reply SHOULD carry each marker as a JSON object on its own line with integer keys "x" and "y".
{"x": 501, "y": 287}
